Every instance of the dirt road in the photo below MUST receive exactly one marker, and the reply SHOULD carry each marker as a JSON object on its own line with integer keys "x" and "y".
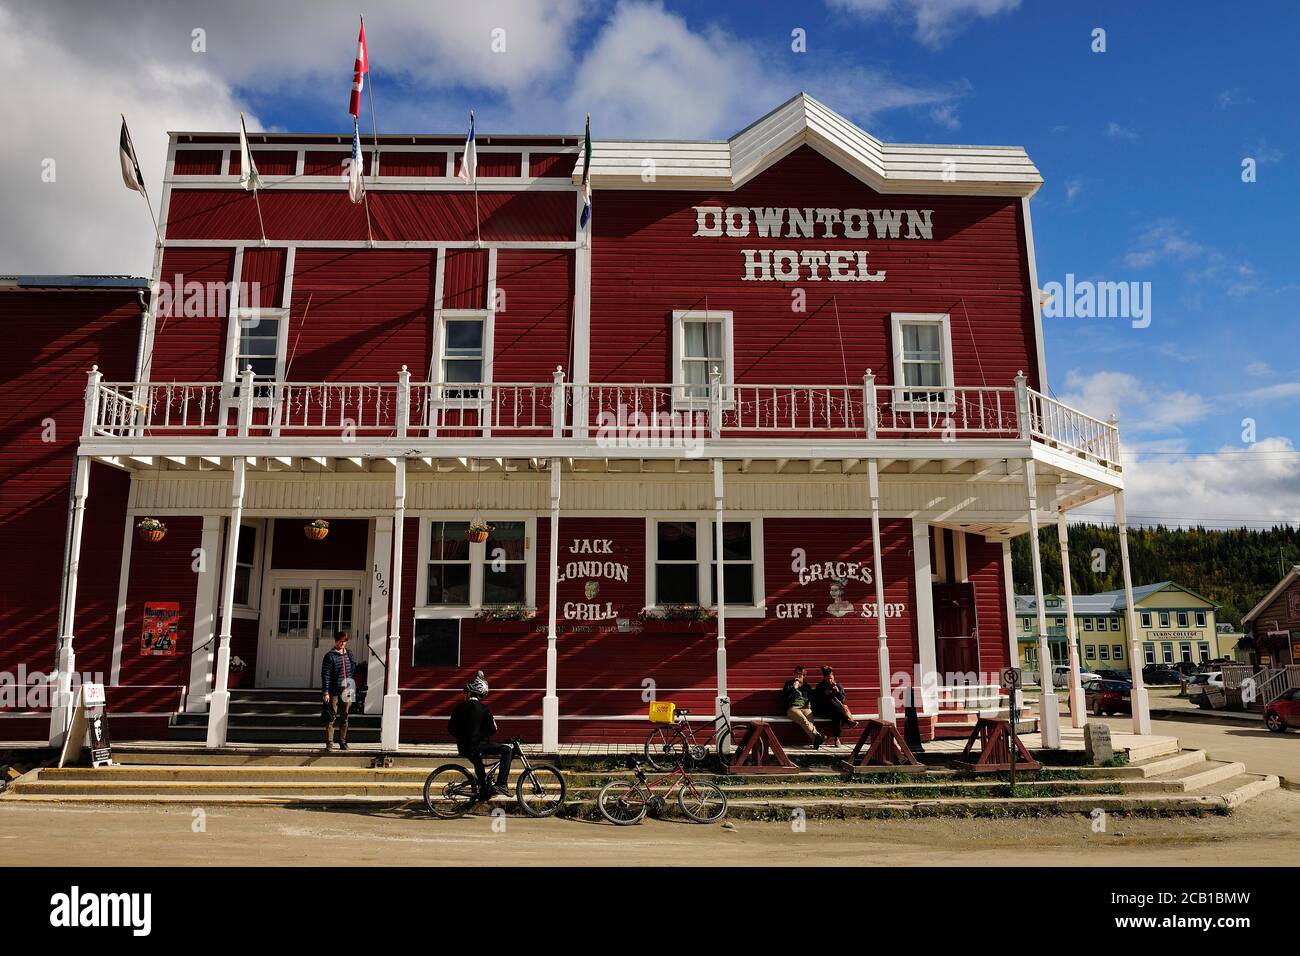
{"x": 1261, "y": 833}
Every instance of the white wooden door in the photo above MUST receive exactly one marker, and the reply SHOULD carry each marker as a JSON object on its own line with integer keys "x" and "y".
{"x": 336, "y": 610}
{"x": 289, "y": 634}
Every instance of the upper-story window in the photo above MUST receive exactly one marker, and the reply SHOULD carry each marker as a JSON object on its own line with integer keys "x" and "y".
{"x": 463, "y": 348}
{"x": 1146, "y": 618}
{"x": 702, "y": 342}
{"x": 1183, "y": 619}
{"x": 257, "y": 340}
{"x": 1200, "y": 619}
{"x": 1164, "y": 618}
{"x": 1114, "y": 624}
{"x": 922, "y": 357}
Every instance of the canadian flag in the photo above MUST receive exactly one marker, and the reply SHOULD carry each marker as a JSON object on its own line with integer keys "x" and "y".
{"x": 359, "y": 72}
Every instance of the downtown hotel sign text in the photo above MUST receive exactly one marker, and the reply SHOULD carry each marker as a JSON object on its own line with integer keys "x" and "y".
{"x": 785, "y": 222}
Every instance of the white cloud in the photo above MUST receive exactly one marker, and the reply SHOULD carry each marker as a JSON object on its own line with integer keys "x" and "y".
{"x": 1073, "y": 189}
{"x": 1139, "y": 408}
{"x": 1116, "y": 131}
{"x": 1258, "y": 485}
{"x": 935, "y": 21}
{"x": 1259, "y": 370}
{"x": 1163, "y": 241}
{"x": 946, "y": 116}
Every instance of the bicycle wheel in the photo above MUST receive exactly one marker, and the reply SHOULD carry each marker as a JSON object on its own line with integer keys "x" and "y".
{"x": 703, "y": 802}
{"x": 665, "y": 748}
{"x": 540, "y": 790}
{"x": 730, "y": 741}
{"x": 621, "y": 803}
{"x": 449, "y": 791}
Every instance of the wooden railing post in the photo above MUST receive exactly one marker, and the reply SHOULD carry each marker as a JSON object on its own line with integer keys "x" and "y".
{"x": 557, "y": 403}
{"x": 90, "y": 419}
{"x": 715, "y": 403}
{"x": 403, "y": 402}
{"x": 1112, "y": 440}
{"x": 870, "y": 413}
{"x": 1022, "y": 405}
{"x": 245, "y": 415}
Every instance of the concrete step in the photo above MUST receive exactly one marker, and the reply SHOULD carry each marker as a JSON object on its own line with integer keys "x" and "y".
{"x": 1164, "y": 765}
{"x": 1211, "y": 775}
{"x": 1149, "y": 751}
{"x": 274, "y": 733}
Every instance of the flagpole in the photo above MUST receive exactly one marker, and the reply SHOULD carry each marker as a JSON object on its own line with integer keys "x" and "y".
{"x": 144, "y": 190}
{"x": 365, "y": 193}
{"x": 478, "y": 239}
{"x": 374, "y": 129}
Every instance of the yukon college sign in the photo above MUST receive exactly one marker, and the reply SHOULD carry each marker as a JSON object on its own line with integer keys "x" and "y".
{"x": 784, "y": 222}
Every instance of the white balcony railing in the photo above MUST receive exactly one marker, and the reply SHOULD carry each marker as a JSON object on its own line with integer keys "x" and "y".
{"x": 560, "y": 409}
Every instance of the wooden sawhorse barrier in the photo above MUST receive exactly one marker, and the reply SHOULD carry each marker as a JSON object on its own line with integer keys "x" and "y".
{"x": 994, "y": 737}
{"x": 760, "y": 752}
{"x": 882, "y": 748}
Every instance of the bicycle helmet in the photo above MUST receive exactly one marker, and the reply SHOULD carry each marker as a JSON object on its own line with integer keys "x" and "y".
{"x": 478, "y": 687}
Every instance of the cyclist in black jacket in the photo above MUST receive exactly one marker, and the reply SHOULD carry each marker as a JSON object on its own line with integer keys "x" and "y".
{"x": 472, "y": 725}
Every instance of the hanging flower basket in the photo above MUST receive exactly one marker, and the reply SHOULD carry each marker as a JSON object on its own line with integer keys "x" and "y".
{"x": 151, "y": 530}
{"x": 679, "y": 619}
{"x": 478, "y": 531}
{"x": 316, "y": 530}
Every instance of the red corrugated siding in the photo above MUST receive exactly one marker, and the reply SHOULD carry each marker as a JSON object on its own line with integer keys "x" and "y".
{"x": 329, "y": 162}
{"x": 413, "y": 164}
{"x": 266, "y": 268}
{"x": 360, "y": 315}
{"x": 646, "y": 263}
{"x": 190, "y": 348}
{"x": 269, "y": 162}
{"x": 984, "y": 570}
{"x": 329, "y": 214}
{"x": 161, "y": 571}
{"x": 557, "y": 165}
{"x": 197, "y": 162}
{"x": 464, "y": 279}
{"x": 344, "y": 548}
{"x": 532, "y": 333}
{"x": 51, "y": 341}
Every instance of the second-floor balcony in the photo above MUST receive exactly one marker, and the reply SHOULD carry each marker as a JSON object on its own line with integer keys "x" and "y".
{"x": 405, "y": 414}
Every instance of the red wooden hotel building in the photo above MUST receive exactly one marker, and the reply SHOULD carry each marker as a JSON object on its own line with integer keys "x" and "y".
{"x": 814, "y": 353}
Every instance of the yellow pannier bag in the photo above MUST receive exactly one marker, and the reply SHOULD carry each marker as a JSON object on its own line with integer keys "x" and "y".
{"x": 661, "y": 711}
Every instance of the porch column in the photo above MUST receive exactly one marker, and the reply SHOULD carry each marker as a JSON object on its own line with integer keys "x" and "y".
{"x": 1078, "y": 711}
{"x": 551, "y": 702}
{"x": 390, "y": 722}
{"x": 1049, "y": 718}
{"x": 1141, "y": 708}
{"x": 66, "y": 660}
{"x": 887, "y": 711}
{"x": 219, "y": 704}
{"x": 205, "y": 620}
{"x": 380, "y": 590}
{"x": 927, "y": 654}
{"x": 722, "y": 703}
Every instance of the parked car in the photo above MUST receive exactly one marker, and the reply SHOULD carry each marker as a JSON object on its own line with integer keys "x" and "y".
{"x": 1061, "y": 675}
{"x": 1188, "y": 668}
{"x": 1208, "y": 678}
{"x": 1108, "y": 697}
{"x": 1115, "y": 675}
{"x": 1161, "y": 676}
{"x": 1283, "y": 712}
{"x": 1206, "y": 690}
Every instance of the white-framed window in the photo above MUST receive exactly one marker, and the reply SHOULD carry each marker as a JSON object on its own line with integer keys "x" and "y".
{"x": 256, "y": 339}
{"x": 681, "y": 562}
{"x": 1090, "y": 652}
{"x": 702, "y": 341}
{"x": 1167, "y": 651}
{"x": 1200, "y": 619}
{"x": 1183, "y": 619}
{"x": 1185, "y": 652}
{"x": 1149, "y": 652}
{"x": 1087, "y": 624}
{"x": 460, "y": 577}
{"x": 923, "y": 372}
{"x": 463, "y": 352}
{"x": 1164, "y": 618}
{"x": 1026, "y": 624}
{"x": 1103, "y": 651}
{"x": 248, "y": 561}
{"x": 1114, "y": 623}
{"x": 1146, "y": 621}
{"x": 1204, "y": 649}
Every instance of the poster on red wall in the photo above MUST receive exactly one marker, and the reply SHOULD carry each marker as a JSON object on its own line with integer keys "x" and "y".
{"x": 161, "y": 620}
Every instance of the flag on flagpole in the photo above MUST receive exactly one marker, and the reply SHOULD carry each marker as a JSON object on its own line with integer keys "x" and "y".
{"x": 469, "y": 161}
{"x": 586, "y": 177}
{"x": 356, "y": 182}
{"x": 131, "y": 174}
{"x": 248, "y": 177}
{"x": 359, "y": 71}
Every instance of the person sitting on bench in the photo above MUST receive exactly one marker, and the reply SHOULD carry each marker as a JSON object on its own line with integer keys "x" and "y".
{"x": 828, "y": 704}
{"x": 798, "y": 705}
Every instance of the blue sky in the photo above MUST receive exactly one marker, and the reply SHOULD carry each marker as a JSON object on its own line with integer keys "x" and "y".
{"x": 1141, "y": 147}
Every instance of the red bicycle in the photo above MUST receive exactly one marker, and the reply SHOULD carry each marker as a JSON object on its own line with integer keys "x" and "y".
{"x": 624, "y": 803}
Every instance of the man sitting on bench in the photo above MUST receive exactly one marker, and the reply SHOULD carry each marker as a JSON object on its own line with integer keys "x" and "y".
{"x": 798, "y": 705}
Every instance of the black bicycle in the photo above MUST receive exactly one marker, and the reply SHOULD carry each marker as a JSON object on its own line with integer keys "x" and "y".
{"x": 451, "y": 790}
{"x": 677, "y": 742}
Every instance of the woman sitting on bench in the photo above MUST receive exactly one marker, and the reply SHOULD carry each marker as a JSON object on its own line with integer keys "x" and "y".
{"x": 828, "y": 704}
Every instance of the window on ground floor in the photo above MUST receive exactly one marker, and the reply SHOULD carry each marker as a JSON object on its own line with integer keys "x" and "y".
{"x": 1103, "y": 652}
{"x": 505, "y": 564}
{"x": 448, "y": 569}
{"x": 1185, "y": 651}
{"x": 246, "y": 566}
{"x": 1090, "y": 652}
{"x": 1167, "y": 651}
{"x": 1149, "y": 652}
{"x": 683, "y": 564}
{"x": 1204, "y": 649}
{"x": 464, "y": 574}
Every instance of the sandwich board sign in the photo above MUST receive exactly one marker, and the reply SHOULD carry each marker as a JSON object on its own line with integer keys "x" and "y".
{"x": 89, "y": 727}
